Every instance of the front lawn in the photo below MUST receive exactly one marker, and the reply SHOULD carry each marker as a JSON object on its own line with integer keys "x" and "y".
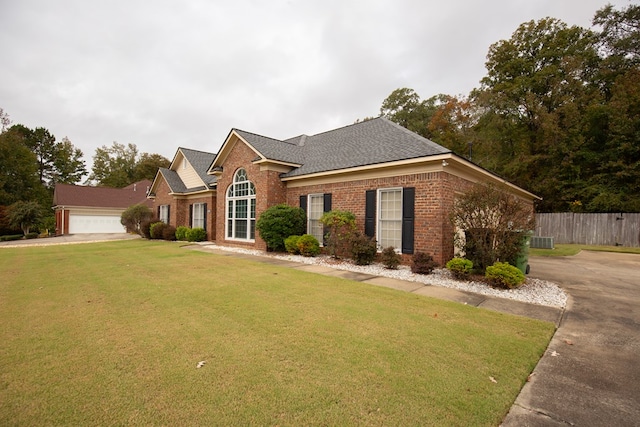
{"x": 110, "y": 334}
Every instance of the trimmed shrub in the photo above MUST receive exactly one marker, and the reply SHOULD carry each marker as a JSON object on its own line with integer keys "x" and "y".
{"x": 291, "y": 244}
{"x": 460, "y": 268}
{"x": 363, "y": 249}
{"x": 133, "y": 217}
{"x": 197, "y": 234}
{"x": 145, "y": 228}
{"x": 423, "y": 263}
{"x": 11, "y": 237}
{"x": 390, "y": 258}
{"x": 279, "y": 222}
{"x": 156, "y": 229}
{"x": 503, "y": 275}
{"x": 169, "y": 232}
{"x": 340, "y": 226}
{"x": 181, "y": 232}
{"x": 32, "y": 235}
{"x": 308, "y": 245}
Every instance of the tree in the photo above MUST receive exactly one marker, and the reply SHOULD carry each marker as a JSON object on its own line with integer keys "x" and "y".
{"x": 114, "y": 166}
{"x": 494, "y": 223}
{"x": 404, "y": 107}
{"x": 18, "y": 169}
{"x": 119, "y": 165}
{"x": 5, "y": 121}
{"x": 68, "y": 166}
{"x": 147, "y": 166}
{"x": 25, "y": 215}
{"x": 134, "y": 216}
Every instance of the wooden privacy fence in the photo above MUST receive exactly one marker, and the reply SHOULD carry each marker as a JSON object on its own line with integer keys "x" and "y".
{"x": 611, "y": 229}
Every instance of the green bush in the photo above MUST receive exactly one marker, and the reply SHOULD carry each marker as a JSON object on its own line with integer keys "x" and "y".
{"x": 390, "y": 258}
{"x": 460, "y": 268}
{"x": 504, "y": 275}
{"x": 423, "y": 263}
{"x": 32, "y": 235}
{"x": 11, "y": 237}
{"x": 169, "y": 232}
{"x": 340, "y": 226}
{"x": 279, "y": 222}
{"x": 145, "y": 228}
{"x": 181, "y": 232}
{"x": 291, "y": 244}
{"x": 156, "y": 229}
{"x": 363, "y": 249}
{"x": 197, "y": 234}
{"x": 133, "y": 217}
{"x": 308, "y": 245}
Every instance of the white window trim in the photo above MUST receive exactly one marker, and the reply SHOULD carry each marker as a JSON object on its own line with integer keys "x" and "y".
{"x": 314, "y": 195}
{"x": 164, "y": 214}
{"x": 233, "y": 200}
{"x": 193, "y": 215}
{"x": 379, "y": 216}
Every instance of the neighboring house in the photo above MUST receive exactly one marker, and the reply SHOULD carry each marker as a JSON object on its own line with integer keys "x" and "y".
{"x": 84, "y": 209}
{"x": 184, "y": 194}
{"x": 399, "y": 185}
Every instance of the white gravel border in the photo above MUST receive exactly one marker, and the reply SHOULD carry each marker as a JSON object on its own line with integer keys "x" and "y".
{"x": 534, "y": 291}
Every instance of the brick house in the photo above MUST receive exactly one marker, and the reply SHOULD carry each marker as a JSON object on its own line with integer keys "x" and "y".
{"x": 399, "y": 185}
{"x": 184, "y": 194}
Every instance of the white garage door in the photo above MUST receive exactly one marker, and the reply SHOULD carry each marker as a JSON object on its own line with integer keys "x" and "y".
{"x": 79, "y": 224}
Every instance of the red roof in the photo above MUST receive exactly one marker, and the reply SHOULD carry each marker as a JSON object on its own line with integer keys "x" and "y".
{"x": 101, "y": 197}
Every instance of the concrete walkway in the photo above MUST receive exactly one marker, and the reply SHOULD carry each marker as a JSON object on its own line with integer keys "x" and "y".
{"x": 590, "y": 374}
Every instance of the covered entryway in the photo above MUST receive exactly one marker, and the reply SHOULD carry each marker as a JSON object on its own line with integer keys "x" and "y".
{"x": 80, "y": 224}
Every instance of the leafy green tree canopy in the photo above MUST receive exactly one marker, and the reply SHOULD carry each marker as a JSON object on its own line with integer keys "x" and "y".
{"x": 25, "y": 215}
{"x": 119, "y": 165}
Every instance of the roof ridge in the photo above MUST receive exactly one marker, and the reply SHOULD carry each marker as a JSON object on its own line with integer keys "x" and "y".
{"x": 350, "y": 125}
{"x": 199, "y": 151}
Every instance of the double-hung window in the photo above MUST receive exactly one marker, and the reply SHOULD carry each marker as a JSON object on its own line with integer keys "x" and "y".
{"x": 163, "y": 213}
{"x": 314, "y": 212}
{"x": 390, "y": 218}
{"x": 241, "y": 208}
{"x": 198, "y": 215}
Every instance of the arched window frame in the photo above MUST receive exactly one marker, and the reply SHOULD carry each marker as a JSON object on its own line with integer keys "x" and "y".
{"x": 240, "y": 209}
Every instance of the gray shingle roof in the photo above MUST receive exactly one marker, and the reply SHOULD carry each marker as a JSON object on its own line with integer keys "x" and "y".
{"x": 173, "y": 180}
{"x": 200, "y": 160}
{"x": 274, "y": 149}
{"x": 371, "y": 142}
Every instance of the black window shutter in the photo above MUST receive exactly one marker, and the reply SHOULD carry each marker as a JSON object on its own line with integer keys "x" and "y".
{"x": 408, "y": 214}
{"x": 204, "y": 217}
{"x": 327, "y": 203}
{"x": 158, "y": 212}
{"x": 191, "y": 216}
{"x": 168, "y": 214}
{"x": 303, "y": 203}
{"x": 370, "y": 213}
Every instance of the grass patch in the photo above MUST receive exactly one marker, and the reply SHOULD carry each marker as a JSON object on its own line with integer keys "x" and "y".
{"x": 110, "y": 334}
{"x": 563, "y": 249}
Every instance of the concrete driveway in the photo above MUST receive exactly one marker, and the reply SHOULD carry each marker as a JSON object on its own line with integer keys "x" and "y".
{"x": 590, "y": 374}
{"x": 69, "y": 239}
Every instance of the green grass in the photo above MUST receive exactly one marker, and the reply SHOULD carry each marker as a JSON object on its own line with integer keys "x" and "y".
{"x": 570, "y": 250}
{"x": 110, "y": 334}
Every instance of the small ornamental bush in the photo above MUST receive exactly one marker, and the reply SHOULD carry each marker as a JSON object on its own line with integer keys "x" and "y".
{"x": 197, "y": 234}
{"x": 363, "y": 249}
{"x": 503, "y": 275}
{"x": 181, "y": 232}
{"x": 390, "y": 258}
{"x": 279, "y": 222}
{"x": 423, "y": 263}
{"x": 32, "y": 235}
{"x": 340, "y": 227}
{"x": 169, "y": 232}
{"x": 460, "y": 268}
{"x": 308, "y": 245}
{"x": 145, "y": 228}
{"x": 291, "y": 244}
{"x": 156, "y": 229}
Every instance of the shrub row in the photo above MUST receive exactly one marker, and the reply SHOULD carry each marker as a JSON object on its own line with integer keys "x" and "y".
{"x": 160, "y": 230}
{"x": 499, "y": 275}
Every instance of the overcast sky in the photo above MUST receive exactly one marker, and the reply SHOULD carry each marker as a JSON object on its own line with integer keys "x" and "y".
{"x": 163, "y": 74}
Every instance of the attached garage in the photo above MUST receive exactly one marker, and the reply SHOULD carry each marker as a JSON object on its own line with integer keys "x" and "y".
{"x": 95, "y": 210}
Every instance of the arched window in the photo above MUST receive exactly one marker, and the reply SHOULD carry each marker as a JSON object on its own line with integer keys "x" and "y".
{"x": 241, "y": 208}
